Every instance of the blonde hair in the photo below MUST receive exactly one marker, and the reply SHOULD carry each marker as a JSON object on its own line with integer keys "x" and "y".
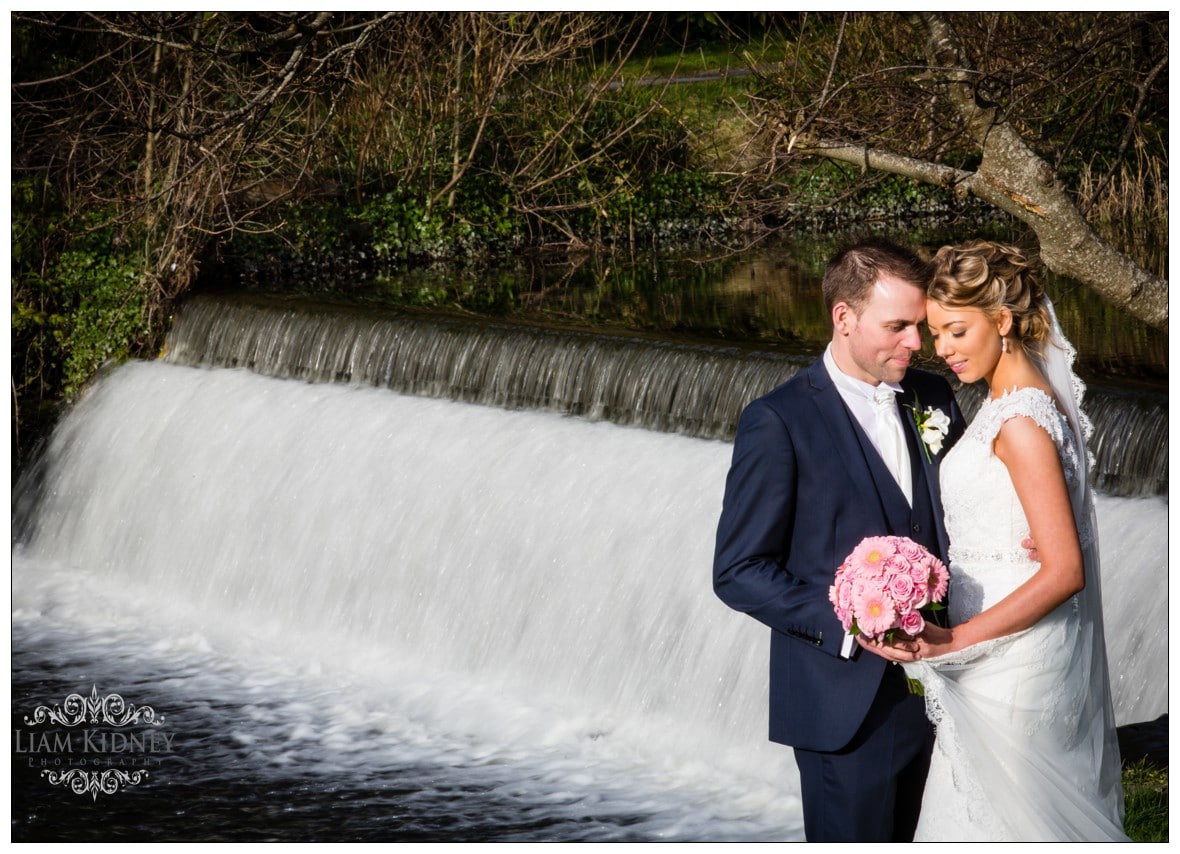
{"x": 991, "y": 277}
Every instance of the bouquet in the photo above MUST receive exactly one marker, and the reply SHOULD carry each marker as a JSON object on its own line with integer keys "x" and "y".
{"x": 881, "y": 587}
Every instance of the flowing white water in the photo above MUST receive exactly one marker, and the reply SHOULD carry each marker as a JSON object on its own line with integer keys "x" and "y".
{"x": 432, "y": 580}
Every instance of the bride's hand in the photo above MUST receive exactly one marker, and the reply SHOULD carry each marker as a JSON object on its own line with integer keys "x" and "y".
{"x": 902, "y": 649}
{"x": 935, "y": 640}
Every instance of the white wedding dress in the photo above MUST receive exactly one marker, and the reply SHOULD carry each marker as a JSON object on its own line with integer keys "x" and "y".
{"x": 1026, "y": 746}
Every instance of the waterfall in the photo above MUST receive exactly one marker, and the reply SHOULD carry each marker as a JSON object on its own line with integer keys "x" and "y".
{"x": 694, "y": 389}
{"x": 697, "y": 390}
{"x": 568, "y": 557}
{"x": 571, "y": 557}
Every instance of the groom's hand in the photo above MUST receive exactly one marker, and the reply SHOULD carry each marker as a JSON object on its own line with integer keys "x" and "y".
{"x": 1031, "y": 547}
{"x": 901, "y": 650}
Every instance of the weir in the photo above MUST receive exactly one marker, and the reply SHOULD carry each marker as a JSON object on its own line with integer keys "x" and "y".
{"x": 689, "y": 388}
{"x": 568, "y": 556}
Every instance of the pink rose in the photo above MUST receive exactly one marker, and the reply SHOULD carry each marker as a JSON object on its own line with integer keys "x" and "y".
{"x": 840, "y": 595}
{"x": 912, "y": 623}
{"x": 910, "y": 551}
{"x": 920, "y": 575}
{"x": 901, "y": 587}
{"x": 844, "y": 595}
{"x": 863, "y": 586}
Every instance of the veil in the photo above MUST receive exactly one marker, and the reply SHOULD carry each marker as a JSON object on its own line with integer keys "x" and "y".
{"x": 1096, "y": 721}
{"x": 1056, "y": 362}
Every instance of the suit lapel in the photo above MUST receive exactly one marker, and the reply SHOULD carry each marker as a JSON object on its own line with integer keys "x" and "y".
{"x": 925, "y": 465}
{"x": 920, "y": 463}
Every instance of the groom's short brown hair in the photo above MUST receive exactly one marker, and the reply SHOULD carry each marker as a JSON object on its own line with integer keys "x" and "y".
{"x": 856, "y": 267}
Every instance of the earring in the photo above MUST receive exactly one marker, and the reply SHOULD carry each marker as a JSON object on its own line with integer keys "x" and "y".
{"x": 1003, "y": 343}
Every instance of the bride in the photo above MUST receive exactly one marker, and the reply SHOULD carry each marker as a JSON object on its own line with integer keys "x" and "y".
{"x": 1018, "y": 686}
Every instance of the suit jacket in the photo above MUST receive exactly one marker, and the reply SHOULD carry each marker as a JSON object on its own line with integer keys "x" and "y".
{"x": 804, "y": 488}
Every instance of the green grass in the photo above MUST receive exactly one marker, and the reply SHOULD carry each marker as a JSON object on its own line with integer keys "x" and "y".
{"x": 704, "y": 60}
{"x": 1146, "y": 792}
{"x": 712, "y": 106}
{"x": 717, "y": 57}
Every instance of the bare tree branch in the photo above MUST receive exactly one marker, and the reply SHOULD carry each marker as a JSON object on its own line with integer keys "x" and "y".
{"x": 972, "y": 102}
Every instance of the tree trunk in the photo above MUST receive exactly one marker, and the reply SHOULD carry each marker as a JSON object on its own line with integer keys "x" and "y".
{"x": 1014, "y": 179}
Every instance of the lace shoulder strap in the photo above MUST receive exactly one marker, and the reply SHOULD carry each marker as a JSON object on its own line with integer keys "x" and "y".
{"x": 1030, "y": 402}
{"x": 1039, "y": 406}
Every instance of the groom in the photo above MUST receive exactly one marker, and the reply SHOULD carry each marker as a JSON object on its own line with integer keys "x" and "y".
{"x": 809, "y": 480}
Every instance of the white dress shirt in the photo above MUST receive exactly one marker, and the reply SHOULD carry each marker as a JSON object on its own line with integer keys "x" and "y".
{"x": 860, "y": 397}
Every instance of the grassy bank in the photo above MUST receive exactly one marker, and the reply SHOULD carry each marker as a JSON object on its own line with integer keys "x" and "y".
{"x": 1146, "y": 791}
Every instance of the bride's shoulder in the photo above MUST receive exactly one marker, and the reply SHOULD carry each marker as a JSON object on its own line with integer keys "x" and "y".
{"x": 1031, "y": 402}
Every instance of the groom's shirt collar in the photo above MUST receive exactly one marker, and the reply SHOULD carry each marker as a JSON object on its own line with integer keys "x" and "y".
{"x": 850, "y": 387}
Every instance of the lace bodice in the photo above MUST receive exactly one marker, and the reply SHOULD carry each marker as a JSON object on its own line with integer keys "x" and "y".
{"x": 984, "y": 519}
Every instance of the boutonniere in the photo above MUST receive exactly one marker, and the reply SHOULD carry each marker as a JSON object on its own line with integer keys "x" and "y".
{"x": 933, "y": 426}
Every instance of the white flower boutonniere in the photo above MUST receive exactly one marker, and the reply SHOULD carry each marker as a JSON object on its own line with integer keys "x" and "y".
{"x": 933, "y": 426}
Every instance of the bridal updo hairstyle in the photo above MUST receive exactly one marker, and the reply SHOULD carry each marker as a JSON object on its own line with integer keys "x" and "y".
{"x": 990, "y": 277}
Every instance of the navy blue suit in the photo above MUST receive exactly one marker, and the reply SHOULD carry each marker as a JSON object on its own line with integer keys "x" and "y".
{"x": 806, "y": 485}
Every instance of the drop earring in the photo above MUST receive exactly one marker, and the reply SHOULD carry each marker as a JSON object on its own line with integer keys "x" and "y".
{"x": 1003, "y": 343}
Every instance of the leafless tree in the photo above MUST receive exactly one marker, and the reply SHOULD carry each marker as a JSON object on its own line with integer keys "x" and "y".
{"x": 507, "y": 97}
{"x": 171, "y": 127}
